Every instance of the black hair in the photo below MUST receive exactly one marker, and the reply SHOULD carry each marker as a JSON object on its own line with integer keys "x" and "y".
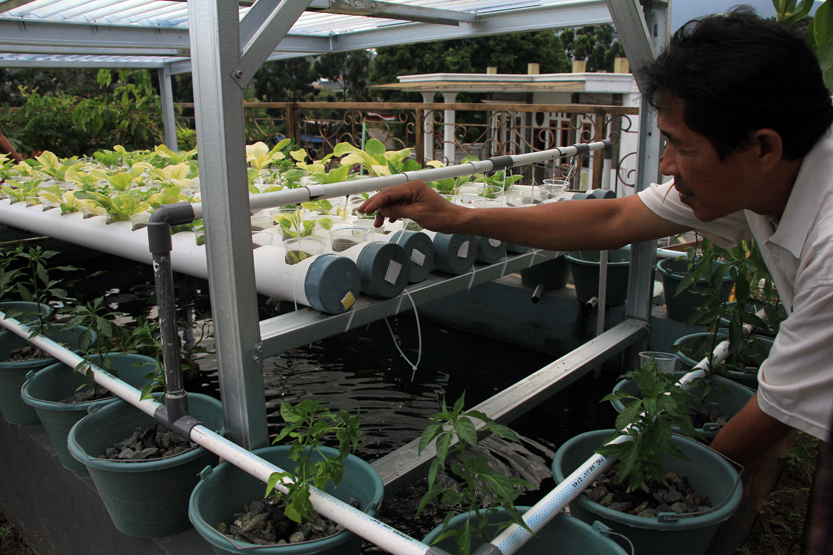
{"x": 737, "y": 73}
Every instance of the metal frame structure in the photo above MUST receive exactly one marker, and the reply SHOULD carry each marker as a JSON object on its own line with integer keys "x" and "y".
{"x": 223, "y": 43}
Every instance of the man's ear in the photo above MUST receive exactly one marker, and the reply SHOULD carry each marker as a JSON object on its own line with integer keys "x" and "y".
{"x": 769, "y": 148}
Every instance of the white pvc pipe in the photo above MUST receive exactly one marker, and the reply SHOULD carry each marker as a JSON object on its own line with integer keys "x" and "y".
{"x": 356, "y": 521}
{"x": 273, "y": 277}
{"x": 101, "y": 377}
{"x": 372, "y": 184}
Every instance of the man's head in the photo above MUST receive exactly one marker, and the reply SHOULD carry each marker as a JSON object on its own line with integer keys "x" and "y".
{"x": 738, "y": 73}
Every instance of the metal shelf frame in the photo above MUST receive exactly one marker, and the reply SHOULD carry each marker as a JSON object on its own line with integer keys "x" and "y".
{"x": 223, "y": 52}
{"x": 242, "y": 341}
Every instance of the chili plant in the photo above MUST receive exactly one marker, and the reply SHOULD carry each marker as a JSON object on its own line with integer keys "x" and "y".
{"x": 753, "y": 290}
{"x": 647, "y": 420}
{"x": 308, "y": 425}
{"x": 476, "y": 481}
{"x": 31, "y": 281}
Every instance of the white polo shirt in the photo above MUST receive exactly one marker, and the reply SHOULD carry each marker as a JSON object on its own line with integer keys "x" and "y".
{"x": 796, "y": 381}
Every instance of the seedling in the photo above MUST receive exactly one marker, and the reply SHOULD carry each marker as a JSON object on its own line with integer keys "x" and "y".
{"x": 477, "y": 482}
{"x": 309, "y": 424}
{"x": 753, "y": 290}
{"x": 31, "y": 282}
{"x": 647, "y": 420}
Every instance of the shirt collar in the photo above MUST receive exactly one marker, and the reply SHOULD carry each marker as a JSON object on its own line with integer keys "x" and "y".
{"x": 810, "y": 186}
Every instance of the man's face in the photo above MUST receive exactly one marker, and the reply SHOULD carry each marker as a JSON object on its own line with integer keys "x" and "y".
{"x": 711, "y": 187}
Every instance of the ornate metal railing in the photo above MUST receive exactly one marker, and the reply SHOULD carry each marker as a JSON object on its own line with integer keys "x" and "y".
{"x": 481, "y": 130}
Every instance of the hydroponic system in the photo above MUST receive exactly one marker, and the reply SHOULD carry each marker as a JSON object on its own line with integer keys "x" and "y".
{"x": 160, "y": 207}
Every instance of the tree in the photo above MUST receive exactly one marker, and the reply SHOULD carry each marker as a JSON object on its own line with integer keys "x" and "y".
{"x": 285, "y": 80}
{"x": 348, "y": 69}
{"x": 509, "y": 53}
{"x": 598, "y": 45}
{"x": 47, "y": 81}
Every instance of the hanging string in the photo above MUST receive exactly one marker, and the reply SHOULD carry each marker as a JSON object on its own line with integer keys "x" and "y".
{"x": 295, "y": 290}
{"x": 419, "y": 338}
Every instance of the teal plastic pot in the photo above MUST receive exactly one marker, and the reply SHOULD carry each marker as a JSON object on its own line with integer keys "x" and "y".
{"x": 26, "y": 312}
{"x": 13, "y": 374}
{"x": 145, "y": 499}
{"x": 44, "y": 390}
{"x": 682, "y": 306}
{"x": 585, "y": 265}
{"x": 748, "y": 377}
{"x": 552, "y": 273}
{"x": 572, "y": 536}
{"x": 726, "y": 395}
{"x": 224, "y": 490}
{"x": 708, "y": 473}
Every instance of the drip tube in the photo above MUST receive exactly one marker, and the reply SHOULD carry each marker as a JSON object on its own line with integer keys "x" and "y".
{"x": 273, "y": 277}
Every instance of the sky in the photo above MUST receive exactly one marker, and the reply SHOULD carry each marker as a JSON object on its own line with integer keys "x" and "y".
{"x": 684, "y": 10}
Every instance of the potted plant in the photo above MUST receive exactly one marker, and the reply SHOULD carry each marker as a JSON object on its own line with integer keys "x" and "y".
{"x": 23, "y": 311}
{"x": 224, "y": 491}
{"x": 651, "y": 456}
{"x": 571, "y": 535}
{"x": 756, "y": 303}
{"x": 480, "y": 502}
{"x": 54, "y": 394}
{"x": 478, "y": 491}
{"x": 686, "y": 280}
{"x": 62, "y": 396}
{"x": 145, "y": 497}
{"x": 713, "y": 402}
{"x": 34, "y": 285}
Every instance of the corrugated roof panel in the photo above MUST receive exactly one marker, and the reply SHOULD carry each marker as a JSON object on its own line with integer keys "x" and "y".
{"x": 167, "y": 13}
{"x": 110, "y": 12}
{"x": 170, "y": 15}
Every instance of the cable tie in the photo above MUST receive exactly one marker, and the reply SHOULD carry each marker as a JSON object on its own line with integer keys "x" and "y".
{"x": 350, "y": 320}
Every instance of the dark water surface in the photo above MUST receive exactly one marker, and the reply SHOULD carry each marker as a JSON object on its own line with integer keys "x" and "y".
{"x": 361, "y": 370}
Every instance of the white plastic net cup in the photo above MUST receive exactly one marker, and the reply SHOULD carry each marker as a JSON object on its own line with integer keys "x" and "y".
{"x": 666, "y": 362}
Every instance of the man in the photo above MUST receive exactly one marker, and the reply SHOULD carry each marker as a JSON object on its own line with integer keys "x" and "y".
{"x": 746, "y": 117}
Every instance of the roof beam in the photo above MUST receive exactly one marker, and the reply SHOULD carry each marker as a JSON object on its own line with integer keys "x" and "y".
{"x": 265, "y": 26}
{"x": 73, "y": 63}
{"x": 389, "y": 10}
{"x": 108, "y": 51}
{"x": 633, "y": 32}
{"x": 67, "y": 38}
{"x": 59, "y": 35}
{"x": 558, "y": 16}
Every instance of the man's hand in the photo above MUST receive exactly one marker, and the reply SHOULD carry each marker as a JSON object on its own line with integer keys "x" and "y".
{"x": 750, "y": 435}
{"x": 415, "y": 201}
